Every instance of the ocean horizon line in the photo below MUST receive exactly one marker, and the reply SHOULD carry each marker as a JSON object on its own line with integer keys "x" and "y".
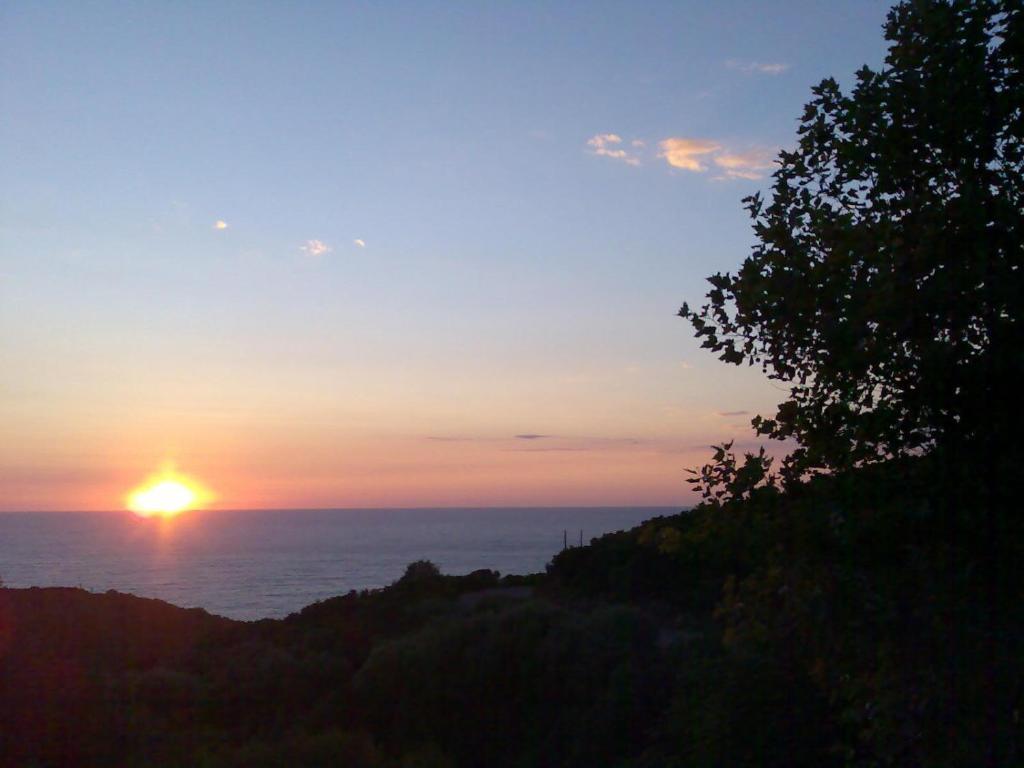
{"x": 453, "y": 508}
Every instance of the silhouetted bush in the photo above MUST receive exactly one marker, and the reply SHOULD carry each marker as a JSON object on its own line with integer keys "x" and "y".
{"x": 532, "y": 685}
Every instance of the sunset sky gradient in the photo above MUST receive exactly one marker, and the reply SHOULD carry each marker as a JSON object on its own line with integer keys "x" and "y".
{"x": 402, "y": 254}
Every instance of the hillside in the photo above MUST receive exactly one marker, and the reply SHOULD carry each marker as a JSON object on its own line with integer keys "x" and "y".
{"x": 854, "y": 622}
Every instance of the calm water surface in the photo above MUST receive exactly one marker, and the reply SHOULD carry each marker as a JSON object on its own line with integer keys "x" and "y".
{"x": 268, "y": 563}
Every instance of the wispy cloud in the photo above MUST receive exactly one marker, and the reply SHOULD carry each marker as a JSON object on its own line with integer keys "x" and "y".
{"x": 688, "y": 153}
{"x": 610, "y": 145}
{"x": 696, "y": 155}
{"x": 360, "y": 242}
{"x": 733, "y": 413}
{"x": 315, "y": 247}
{"x": 538, "y": 442}
{"x": 756, "y": 67}
{"x": 220, "y": 224}
{"x": 560, "y": 449}
{"x": 752, "y": 164}
{"x": 681, "y": 152}
{"x": 577, "y": 444}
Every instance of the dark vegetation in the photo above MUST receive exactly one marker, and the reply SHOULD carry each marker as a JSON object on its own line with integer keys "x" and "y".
{"x": 835, "y": 626}
{"x": 861, "y": 607}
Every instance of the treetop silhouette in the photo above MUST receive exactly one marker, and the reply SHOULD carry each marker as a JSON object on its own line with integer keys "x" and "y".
{"x": 886, "y": 285}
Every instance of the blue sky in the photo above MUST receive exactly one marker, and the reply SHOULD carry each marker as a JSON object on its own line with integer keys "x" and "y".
{"x": 534, "y": 188}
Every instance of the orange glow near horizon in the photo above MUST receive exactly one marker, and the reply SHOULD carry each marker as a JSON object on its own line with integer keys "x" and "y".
{"x": 167, "y": 494}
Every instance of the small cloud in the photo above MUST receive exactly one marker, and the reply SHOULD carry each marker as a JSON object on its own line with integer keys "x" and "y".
{"x": 608, "y": 145}
{"x": 733, "y": 413}
{"x": 602, "y": 140}
{"x": 638, "y": 143}
{"x": 680, "y": 152}
{"x": 220, "y": 224}
{"x": 564, "y": 449}
{"x": 693, "y": 155}
{"x": 576, "y": 444}
{"x": 752, "y": 164}
{"x": 315, "y": 247}
{"x": 756, "y": 67}
{"x": 687, "y": 366}
{"x": 360, "y": 242}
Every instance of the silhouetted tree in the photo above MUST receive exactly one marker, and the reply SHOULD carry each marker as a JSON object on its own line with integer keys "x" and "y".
{"x": 725, "y": 479}
{"x": 420, "y": 571}
{"x": 887, "y": 284}
{"x": 423, "y": 579}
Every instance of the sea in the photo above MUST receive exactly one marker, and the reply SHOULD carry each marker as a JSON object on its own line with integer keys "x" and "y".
{"x": 255, "y": 564}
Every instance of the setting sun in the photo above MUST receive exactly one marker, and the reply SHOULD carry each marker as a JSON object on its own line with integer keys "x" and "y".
{"x": 166, "y": 495}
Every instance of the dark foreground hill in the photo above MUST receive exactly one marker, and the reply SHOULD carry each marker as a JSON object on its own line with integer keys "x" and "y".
{"x": 861, "y": 621}
{"x": 63, "y": 652}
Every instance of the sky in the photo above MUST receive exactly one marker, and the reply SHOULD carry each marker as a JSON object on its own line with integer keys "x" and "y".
{"x": 385, "y": 254}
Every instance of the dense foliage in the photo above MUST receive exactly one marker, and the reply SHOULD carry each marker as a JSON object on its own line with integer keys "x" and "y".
{"x": 886, "y": 286}
{"x": 832, "y": 625}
